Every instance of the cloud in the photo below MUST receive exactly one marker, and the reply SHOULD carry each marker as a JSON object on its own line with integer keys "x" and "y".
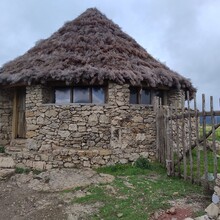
{"x": 183, "y": 34}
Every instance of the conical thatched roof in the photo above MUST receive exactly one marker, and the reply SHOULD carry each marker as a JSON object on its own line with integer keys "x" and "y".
{"x": 90, "y": 49}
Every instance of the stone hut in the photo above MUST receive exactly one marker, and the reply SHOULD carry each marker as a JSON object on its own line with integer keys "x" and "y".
{"x": 84, "y": 97}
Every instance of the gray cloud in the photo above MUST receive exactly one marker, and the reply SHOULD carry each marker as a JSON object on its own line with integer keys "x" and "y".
{"x": 184, "y": 34}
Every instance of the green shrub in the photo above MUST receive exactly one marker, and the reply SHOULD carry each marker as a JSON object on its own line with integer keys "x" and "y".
{"x": 143, "y": 163}
{"x": 21, "y": 170}
{"x": 2, "y": 149}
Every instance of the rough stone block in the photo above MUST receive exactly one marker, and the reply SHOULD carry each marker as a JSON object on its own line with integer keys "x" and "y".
{"x": 6, "y": 173}
{"x": 39, "y": 165}
{"x": 6, "y": 162}
{"x": 212, "y": 210}
{"x": 105, "y": 152}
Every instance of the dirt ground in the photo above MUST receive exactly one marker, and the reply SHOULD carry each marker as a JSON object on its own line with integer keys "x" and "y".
{"x": 41, "y": 197}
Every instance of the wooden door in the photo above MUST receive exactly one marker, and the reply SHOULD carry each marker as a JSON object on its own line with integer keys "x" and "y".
{"x": 20, "y": 113}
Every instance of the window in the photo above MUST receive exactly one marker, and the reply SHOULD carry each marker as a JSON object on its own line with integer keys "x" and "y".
{"x": 134, "y": 95}
{"x": 143, "y": 95}
{"x": 62, "y": 95}
{"x": 80, "y": 94}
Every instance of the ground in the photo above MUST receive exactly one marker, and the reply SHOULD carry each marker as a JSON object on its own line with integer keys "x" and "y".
{"x": 83, "y": 194}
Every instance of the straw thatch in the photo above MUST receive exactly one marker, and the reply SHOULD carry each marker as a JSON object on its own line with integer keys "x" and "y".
{"x": 90, "y": 49}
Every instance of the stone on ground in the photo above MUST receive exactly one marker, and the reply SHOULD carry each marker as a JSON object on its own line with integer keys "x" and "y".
{"x": 6, "y": 173}
{"x": 204, "y": 217}
{"x": 58, "y": 180}
{"x": 7, "y": 162}
{"x": 212, "y": 210}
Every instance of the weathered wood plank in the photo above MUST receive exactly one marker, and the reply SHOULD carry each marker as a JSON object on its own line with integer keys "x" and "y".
{"x": 190, "y": 137}
{"x": 183, "y": 141}
{"x": 197, "y": 139}
{"x": 185, "y": 115}
{"x": 204, "y": 139}
{"x": 15, "y": 116}
{"x": 213, "y": 138}
{"x": 177, "y": 141}
{"x": 171, "y": 141}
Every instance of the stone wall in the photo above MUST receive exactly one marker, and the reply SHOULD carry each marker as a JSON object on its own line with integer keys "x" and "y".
{"x": 176, "y": 97}
{"x": 213, "y": 210}
{"x": 6, "y": 97}
{"x": 88, "y": 135}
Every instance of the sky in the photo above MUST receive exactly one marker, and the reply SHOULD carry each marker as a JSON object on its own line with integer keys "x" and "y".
{"x": 185, "y": 35}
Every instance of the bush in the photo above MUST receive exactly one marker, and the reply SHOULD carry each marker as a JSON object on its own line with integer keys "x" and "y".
{"x": 21, "y": 170}
{"x": 142, "y": 163}
{"x": 2, "y": 149}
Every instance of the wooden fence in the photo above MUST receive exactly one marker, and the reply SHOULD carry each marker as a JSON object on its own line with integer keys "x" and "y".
{"x": 185, "y": 144}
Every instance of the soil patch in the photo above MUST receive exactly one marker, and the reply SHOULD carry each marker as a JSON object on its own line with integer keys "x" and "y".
{"x": 33, "y": 197}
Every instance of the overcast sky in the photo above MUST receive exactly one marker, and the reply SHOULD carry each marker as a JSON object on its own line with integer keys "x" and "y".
{"x": 183, "y": 34}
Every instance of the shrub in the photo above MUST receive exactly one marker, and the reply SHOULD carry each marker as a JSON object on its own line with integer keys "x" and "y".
{"x": 21, "y": 170}
{"x": 142, "y": 163}
{"x": 2, "y": 149}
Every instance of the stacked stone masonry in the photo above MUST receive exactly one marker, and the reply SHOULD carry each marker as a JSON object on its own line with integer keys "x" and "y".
{"x": 88, "y": 135}
{"x": 6, "y": 97}
{"x": 213, "y": 210}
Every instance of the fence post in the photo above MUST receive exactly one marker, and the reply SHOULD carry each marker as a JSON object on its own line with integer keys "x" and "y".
{"x": 204, "y": 138}
{"x": 190, "y": 137}
{"x": 213, "y": 137}
{"x": 177, "y": 140}
{"x": 183, "y": 139}
{"x": 197, "y": 138}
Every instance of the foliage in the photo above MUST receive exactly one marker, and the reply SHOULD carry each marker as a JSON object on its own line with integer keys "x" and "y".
{"x": 143, "y": 163}
{"x": 2, "y": 149}
{"x": 20, "y": 170}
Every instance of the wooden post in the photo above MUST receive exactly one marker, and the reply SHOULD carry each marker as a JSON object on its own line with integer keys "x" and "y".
{"x": 190, "y": 137}
{"x": 157, "y": 127}
{"x": 167, "y": 143}
{"x": 213, "y": 137}
{"x": 15, "y": 115}
{"x": 204, "y": 139}
{"x": 183, "y": 140}
{"x": 197, "y": 139}
{"x": 177, "y": 140}
{"x": 171, "y": 142}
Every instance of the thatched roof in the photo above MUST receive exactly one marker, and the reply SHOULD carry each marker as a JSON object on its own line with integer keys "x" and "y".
{"x": 90, "y": 49}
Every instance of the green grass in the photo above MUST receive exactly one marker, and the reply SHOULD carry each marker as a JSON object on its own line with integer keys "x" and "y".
{"x": 210, "y": 156}
{"x": 209, "y": 128}
{"x": 210, "y": 159}
{"x": 137, "y": 193}
{"x": 129, "y": 169}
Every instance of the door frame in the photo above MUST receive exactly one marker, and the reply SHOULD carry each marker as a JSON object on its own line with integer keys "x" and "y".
{"x": 15, "y": 119}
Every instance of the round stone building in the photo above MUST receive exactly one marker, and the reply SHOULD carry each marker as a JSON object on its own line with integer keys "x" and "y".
{"x": 84, "y": 97}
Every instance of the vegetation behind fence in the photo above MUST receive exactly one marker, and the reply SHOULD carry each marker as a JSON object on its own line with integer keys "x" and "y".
{"x": 188, "y": 140}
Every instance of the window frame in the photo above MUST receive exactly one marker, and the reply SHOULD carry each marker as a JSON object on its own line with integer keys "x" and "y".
{"x": 90, "y": 90}
{"x": 153, "y": 93}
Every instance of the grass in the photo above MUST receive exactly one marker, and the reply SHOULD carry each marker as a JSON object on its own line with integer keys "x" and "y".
{"x": 210, "y": 156}
{"x": 210, "y": 159}
{"x": 136, "y": 193}
{"x": 209, "y": 128}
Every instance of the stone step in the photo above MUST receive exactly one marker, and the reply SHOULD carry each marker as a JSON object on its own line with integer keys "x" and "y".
{"x": 6, "y": 162}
